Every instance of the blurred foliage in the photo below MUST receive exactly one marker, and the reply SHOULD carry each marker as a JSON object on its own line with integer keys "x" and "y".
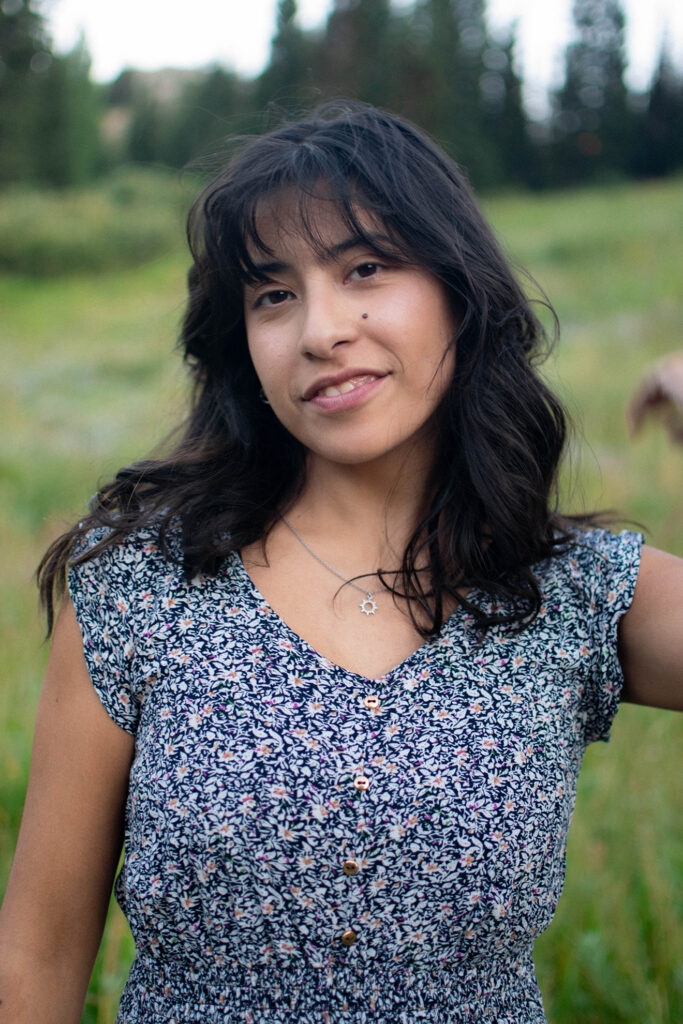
{"x": 591, "y": 113}
{"x": 436, "y": 62}
{"x": 49, "y": 107}
{"x": 133, "y": 215}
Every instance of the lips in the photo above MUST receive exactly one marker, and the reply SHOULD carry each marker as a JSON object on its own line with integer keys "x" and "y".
{"x": 341, "y": 384}
{"x": 348, "y": 385}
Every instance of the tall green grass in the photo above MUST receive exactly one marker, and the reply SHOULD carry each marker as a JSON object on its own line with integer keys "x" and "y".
{"x": 91, "y": 381}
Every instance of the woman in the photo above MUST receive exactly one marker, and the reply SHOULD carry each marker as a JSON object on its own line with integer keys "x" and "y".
{"x": 333, "y": 663}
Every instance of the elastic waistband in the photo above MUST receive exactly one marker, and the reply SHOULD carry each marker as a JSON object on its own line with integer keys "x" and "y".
{"x": 182, "y": 992}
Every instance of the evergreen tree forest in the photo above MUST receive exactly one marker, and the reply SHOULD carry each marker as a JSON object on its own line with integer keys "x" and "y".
{"x": 435, "y": 61}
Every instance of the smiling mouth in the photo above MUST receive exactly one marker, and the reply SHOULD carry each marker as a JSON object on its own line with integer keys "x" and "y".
{"x": 348, "y": 385}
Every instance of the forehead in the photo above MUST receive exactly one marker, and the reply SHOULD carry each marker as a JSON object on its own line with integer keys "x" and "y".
{"x": 290, "y": 220}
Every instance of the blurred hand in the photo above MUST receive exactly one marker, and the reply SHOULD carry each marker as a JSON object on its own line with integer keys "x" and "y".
{"x": 660, "y": 393}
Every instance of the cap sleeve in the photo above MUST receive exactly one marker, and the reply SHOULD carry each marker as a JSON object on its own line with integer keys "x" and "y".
{"x": 610, "y": 563}
{"x": 102, "y": 591}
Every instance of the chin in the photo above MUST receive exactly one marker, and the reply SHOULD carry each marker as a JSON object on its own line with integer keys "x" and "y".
{"x": 363, "y": 455}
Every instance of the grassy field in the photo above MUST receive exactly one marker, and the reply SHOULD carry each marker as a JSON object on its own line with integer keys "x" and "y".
{"x": 91, "y": 381}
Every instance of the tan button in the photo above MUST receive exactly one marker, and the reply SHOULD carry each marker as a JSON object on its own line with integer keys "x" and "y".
{"x": 349, "y": 937}
{"x": 361, "y": 782}
{"x": 350, "y": 867}
{"x": 371, "y": 702}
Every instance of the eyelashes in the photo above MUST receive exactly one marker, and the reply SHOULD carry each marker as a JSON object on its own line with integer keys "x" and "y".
{"x": 372, "y": 266}
{"x": 278, "y": 296}
{"x": 275, "y": 297}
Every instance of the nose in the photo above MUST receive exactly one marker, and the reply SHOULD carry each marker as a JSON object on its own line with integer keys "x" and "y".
{"x": 329, "y": 319}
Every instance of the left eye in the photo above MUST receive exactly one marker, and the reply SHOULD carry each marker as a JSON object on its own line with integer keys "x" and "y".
{"x": 273, "y": 298}
{"x": 364, "y": 270}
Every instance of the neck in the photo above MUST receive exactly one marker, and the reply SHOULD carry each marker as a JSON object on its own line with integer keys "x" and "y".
{"x": 369, "y": 509}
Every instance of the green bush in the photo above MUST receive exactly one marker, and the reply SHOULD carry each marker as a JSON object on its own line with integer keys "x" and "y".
{"x": 134, "y": 216}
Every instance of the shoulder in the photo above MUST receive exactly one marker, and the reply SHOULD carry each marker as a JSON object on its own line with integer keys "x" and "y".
{"x": 595, "y": 562}
{"x": 588, "y": 587}
{"x": 114, "y": 583}
{"x": 592, "y": 547}
{"x": 135, "y": 547}
{"x": 652, "y": 633}
{"x": 140, "y": 580}
{"x": 101, "y": 560}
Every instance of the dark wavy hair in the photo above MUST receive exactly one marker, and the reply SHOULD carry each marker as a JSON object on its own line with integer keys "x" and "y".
{"x": 490, "y": 508}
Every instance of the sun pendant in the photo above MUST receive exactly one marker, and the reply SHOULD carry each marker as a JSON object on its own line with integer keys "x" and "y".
{"x": 368, "y": 605}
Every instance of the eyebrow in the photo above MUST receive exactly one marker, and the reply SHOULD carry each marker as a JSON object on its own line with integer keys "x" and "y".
{"x": 332, "y": 253}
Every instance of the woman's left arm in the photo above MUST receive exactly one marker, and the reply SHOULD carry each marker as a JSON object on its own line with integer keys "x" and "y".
{"x": 651, "y": 634}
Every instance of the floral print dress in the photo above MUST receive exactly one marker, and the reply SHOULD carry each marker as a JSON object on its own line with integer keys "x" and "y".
{"x": 304, "y": 844}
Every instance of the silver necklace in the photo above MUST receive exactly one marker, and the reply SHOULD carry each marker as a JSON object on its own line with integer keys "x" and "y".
{"x": 368, "y": 605}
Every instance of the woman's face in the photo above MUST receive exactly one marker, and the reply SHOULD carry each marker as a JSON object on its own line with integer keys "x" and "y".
{"x": 353, "y": 351}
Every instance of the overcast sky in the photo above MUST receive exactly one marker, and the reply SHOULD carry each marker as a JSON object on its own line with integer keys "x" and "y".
{"x": 150, "y": 34}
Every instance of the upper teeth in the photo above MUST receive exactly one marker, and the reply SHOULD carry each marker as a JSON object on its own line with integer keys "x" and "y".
{"x": 345, "y": 386}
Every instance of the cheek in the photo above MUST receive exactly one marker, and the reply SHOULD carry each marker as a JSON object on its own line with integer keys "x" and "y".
{"x": 437, "y": 379}
{"x": 266, "y": 358}
{"x": 271, "y": 365}
{"x": 433, "y": 314}
{"x": 441, "y": 367}
{"x": 435, "y": 357}
{"x": 448, "y": 346}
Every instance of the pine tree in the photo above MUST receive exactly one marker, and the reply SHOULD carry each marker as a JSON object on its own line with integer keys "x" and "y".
{"x": 508, "y": 125}
{"x": 592, "y": 120}
{"x": 452, "y": 39}
{"x": 354, "y": 56}
{"x": 660, "y": 139}
{"x": 25, "y": 57}
{"x": 49, "y": 108}
{"x": 67, "y": 148}
{"x": 208, "y": 111}
{"x": 147, "y": 130}
{"x": 286, "y": 81}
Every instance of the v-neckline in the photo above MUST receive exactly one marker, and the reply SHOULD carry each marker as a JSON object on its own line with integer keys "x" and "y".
{"x": 335, "y": 666}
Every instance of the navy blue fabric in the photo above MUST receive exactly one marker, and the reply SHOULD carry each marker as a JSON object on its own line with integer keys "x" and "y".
{"x": 243, "y": 806}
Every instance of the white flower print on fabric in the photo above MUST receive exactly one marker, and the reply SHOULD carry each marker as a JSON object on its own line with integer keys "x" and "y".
{"x": 295, "y": 854}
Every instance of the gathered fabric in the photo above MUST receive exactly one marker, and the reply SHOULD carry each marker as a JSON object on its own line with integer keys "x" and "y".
{"x": 380, "y": 994}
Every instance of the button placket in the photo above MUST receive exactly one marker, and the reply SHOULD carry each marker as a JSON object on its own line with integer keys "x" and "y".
{"x": 348, "y": 937}
{"x": 371, "y": 702}
{"x": 351, "y": 866}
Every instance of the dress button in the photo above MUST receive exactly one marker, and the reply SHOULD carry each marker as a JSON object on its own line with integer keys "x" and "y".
{"x": 371, "y": 702}
{"x": 349, "y": 937}
{"x": 350, "y": 867}
{"x": 361, "y": 782}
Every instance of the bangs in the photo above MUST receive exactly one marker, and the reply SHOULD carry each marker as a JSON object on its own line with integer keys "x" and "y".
{"x": 298, "y": 213}
{"x": 290, "y": 183}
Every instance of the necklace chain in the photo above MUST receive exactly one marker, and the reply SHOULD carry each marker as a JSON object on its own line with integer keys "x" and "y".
{"x": 368, "y": 605}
